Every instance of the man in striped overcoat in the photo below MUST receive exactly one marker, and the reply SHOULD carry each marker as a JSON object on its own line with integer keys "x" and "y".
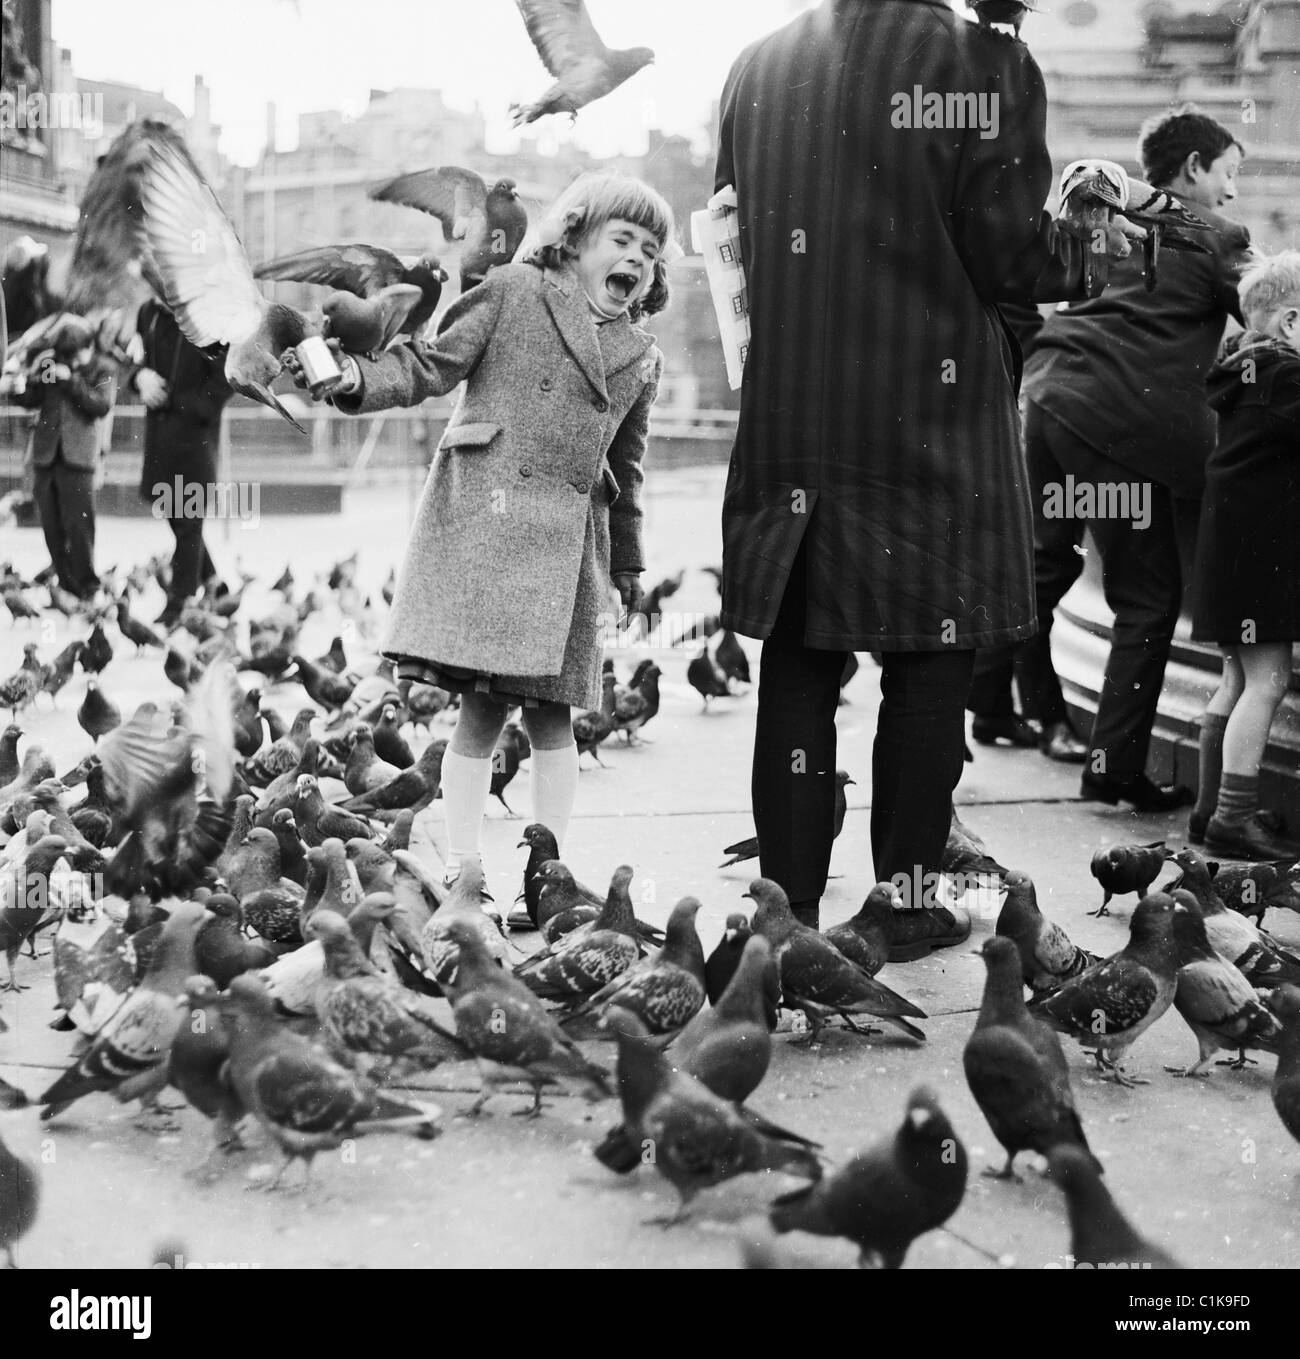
{"x": 891, "y": 170}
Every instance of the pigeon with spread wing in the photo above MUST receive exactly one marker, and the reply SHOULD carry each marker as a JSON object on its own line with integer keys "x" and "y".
{"x": 489, "y": 222}
{"x": 377, "y": 296}
{"x": 172, "y": 789}
{"x": 572, "y": 51}
{"x": 198, "y": 267}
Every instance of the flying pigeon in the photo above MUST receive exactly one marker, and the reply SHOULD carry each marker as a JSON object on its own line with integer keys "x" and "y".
{"x": 572, "y": 51}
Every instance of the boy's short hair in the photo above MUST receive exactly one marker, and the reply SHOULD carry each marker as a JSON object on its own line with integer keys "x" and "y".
{"x": 72, "y": 336}
{"x": 1265, "y": 287}
{"x": 1166, "y": 141}
{"x": 605, "y": 197}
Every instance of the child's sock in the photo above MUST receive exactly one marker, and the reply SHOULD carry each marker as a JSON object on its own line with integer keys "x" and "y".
{"x": 1211, "y": 765}
{"x": 553, "y": 780}
{"x": 1238, "y": 799}
{"x": 466, "y": 783}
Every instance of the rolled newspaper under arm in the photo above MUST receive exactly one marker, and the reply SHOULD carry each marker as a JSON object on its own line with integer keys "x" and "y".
{"x": 715, "y": 233}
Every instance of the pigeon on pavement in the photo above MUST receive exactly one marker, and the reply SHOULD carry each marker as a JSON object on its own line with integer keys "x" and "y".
{"x": 304, "y": 1100}
{"x": 1047, "y": 957}
{"x": 816, "y": 977}
{"x": 1285, "y": 1004}
{"x": 1260, "y": 957}
{"x": 128, "y": 1057}
{"x": 864, "y": 938}
{"x": 1127, "y": 868}
{"x": 1100, "y": 1234}
{"x": 664, "y": 991}
{"x": 694, "y": 1138}
{"x": 1015, "y": 1067}
{"x": 888, "y": 1195}
{"x": 1111, "y": 1004}
{"x": 720, "y": 966}
{"x": 508, "y": 1029}
{"x": 20, "y": 1197}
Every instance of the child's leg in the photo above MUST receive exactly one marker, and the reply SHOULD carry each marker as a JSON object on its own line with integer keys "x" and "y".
{"x": 1213, "y": 722}
{"x": 1266, "y": 669}
{"x": 467, "y": 774}
{"x": 553, "y": 766}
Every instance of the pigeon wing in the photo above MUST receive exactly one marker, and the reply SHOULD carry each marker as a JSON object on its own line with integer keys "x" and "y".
{"x": 562, "y": 33}
{"x": 197, "y": 263}
{"x": 360, "y": 269}
{"x": 450, "y": 193}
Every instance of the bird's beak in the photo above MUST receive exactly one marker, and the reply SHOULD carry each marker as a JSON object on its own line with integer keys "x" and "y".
{"x": 521, "y": 844}
{"x": 729, "y": 934}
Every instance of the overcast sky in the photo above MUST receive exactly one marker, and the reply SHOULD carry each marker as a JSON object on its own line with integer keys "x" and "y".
{"x": 316, "y": 54}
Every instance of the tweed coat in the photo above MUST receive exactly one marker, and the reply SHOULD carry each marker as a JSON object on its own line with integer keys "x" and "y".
{"x": 180, "y": 439}
{"x": 534, "y": 495}
{"x": 878, "y": 421}
{"x": 71, "y": 415}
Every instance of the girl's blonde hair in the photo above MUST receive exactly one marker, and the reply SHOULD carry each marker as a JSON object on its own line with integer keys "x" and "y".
{"x": 595, "y": 198}
{"x": 1269, "y": 285}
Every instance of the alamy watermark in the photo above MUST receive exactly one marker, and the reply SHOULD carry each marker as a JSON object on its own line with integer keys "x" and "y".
{"x": 181, "y": 499}
{"x": 952, "y": 109}
{"x": 1098, "y": 500}
{"x": 21, "y": 109}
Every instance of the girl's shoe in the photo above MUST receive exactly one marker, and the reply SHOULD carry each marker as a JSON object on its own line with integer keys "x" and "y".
{"x": 1249, "y": 839}
{"x": 1272, "y": 821}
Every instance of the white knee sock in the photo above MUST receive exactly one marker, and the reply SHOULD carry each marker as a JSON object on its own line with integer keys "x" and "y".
{"x": 466, "y": 783}
{"x": 553, "y": 781}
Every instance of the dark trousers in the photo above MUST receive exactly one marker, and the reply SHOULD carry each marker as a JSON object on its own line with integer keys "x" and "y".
{"x": 1057, "y": 564}
{"x": 1142, "y": 578}
{"x": 916, "y": 762}
{"x": 65, "y": 500}
{"x": 191, "y": 565}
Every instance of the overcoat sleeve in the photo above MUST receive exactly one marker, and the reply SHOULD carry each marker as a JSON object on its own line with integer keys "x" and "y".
{"x": 1013, "y": 250}
{"x": 409, "y": 373}
{"x": 626, "y": 451}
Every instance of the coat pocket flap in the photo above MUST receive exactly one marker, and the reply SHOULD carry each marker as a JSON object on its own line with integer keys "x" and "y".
{"x": 611, "y": 482}
{"x": 470, "y": 436}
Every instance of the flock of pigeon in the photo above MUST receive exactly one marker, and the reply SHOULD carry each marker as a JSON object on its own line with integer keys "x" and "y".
{"x": 238, "y": 914}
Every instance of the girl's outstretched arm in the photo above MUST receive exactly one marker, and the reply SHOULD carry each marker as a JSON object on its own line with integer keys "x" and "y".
{"x": 408, "y": 373}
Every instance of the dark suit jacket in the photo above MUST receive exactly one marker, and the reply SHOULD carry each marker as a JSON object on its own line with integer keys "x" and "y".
{"x": 181, "y": 438}
{"x": 69, "y": 414}
{"x": 1126, "y": 371}
{"x": 878, "y": 418}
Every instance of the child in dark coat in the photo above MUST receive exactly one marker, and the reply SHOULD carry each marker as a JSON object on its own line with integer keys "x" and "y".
{"x": 1248, "y": 555}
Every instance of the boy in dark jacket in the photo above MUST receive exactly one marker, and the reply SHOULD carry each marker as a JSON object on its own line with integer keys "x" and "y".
{"x": 71, "y": 385}
{"x": 1248, "y": 556}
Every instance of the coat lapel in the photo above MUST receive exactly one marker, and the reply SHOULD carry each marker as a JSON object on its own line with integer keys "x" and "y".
{"x": 568, "y": 309}
{"x": 622, "y": 344}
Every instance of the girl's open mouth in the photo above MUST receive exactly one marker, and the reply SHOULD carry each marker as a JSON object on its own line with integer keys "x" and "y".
{"x": 621, "y": 285}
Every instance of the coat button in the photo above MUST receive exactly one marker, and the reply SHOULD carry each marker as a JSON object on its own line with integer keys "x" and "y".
{"x": 600, "y": 404}
{"x": 546, "y": 384}
{"x": 525, "y": 471}
{"x": 582, "y": 487}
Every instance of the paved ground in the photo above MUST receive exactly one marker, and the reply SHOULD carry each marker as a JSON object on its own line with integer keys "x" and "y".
{"x": 1205, "y": 1167}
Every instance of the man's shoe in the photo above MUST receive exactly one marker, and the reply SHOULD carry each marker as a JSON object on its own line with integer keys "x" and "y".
{"x": 988, "y": 731}
{"x": 1137, "y": 790}
{"x": 1060, "y": 743}
{"x": 1249, "y": 839}
{"x": 807, "y": 913}
{"x": 170, "y": 616}
{"x": 917, "y": 931}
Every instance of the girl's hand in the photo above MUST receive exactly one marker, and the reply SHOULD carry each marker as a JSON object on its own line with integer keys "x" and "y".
{"x": 152, "y": 388}
{"x": 628, "y": 585}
